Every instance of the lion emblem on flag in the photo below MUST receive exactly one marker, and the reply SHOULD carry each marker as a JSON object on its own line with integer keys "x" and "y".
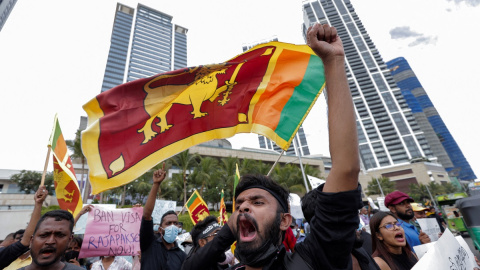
{"x": 204, "y": 87}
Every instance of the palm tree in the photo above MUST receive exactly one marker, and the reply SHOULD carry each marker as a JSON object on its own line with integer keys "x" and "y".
{"x": 418, "y": 192}
{"x": 228, "y": 170}
{"x": 387, "y": 186}
{"x": 76, "y": 147}
{"x": 185, "y": 162}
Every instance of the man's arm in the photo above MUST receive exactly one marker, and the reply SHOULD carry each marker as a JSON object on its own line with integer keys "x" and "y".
{"x": 39, "y": 198}
{"x": 84, "y": 210}
{"x": 213, "y": 251}
{"x": 158, "y": 177}
{"x": 146, "y": 227}
{"x": 12, "y": 252}
{"x": 342, "y": 129}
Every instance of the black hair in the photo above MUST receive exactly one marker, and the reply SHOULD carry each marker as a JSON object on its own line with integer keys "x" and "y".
{"x": 248, "y": 181}
{"x": 77, "y": 240}
{"x": 199, "y": 227}
{"x": 169, "y": 212}
{"x": 22, "y": 231}
{"x": 378, "y": 247}
{"x": 308, "y": 205}
{"x": 58, "y": 215}
{"x": 9, "y": 235}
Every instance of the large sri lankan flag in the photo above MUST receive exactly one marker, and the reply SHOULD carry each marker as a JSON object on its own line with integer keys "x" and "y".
{"x": 267, "y": 90}
{"x": 197, "y": 208}
{"x": 66, "y": 186}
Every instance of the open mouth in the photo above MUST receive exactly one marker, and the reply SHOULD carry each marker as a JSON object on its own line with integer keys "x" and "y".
{"x": 247, "y": 229}
{"x": 47, "y": 252}
{"x": 399, "y": 237}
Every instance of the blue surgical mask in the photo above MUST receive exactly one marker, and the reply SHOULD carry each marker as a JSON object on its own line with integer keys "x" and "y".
{"x": 170, "y": 233}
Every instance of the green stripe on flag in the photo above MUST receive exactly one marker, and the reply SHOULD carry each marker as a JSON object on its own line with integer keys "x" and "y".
{"x": 302, "y": 98}
{"x": 56, "y": 134}
{"x": 192, "y": 199}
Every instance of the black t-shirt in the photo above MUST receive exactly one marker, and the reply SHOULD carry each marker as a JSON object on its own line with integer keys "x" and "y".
{"x": 330, "y": 242}
{"x": 154, "y": 253}
{"x": 11, "y": 253}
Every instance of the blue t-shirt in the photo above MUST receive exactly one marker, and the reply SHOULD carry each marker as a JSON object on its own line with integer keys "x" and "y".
{"x": 411, "y": 234}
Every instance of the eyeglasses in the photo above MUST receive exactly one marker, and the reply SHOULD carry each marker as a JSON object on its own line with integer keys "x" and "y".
{"x": 391, "y": 226}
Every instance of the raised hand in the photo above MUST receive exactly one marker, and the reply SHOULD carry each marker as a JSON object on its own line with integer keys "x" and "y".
{"x": 325, "y": 42}
{"x": 85, "y": 209}
{"x": 41, "y": 195}
{"x": 159, "y": 175}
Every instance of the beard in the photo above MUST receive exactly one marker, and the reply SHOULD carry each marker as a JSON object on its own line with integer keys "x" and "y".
{"x": 45, "y": 263}
{"x": 405, "y": 216}
{"x": 256, "y": 253}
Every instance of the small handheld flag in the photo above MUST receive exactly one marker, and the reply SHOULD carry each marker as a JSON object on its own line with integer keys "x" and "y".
{"x": 66, "y": 186}
{"x": 197, "y": 208}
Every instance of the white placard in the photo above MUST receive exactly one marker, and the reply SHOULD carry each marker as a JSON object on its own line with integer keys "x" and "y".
{"x": 446, "y": 254}
{"x": 161, "y": 207}
{"x": 430, "y": 226}
{"x": 371, "y": 203}
{"x": 295, "y": 206}
{"x": 314, "y": 181}
{"x": 381, "y": 204}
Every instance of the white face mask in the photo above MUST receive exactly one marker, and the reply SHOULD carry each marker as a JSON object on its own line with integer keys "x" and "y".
{"x": 170, "y": 233}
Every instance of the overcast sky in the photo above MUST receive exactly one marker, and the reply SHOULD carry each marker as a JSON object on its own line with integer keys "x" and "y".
{"x": 53, "y": 56}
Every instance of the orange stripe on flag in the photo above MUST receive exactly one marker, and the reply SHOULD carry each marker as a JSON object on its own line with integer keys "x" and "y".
{"x": 61, "y": 148}
{"x": 286, "y": 73}
{"x": 195, "y": 203}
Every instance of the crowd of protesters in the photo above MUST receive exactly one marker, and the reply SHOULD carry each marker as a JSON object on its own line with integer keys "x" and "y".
{"x": 338, "y": 232}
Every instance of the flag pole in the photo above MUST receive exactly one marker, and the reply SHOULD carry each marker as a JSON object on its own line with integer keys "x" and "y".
{"x": 297, "y": 151}
{"x": 46, "y": 165}
{"x": 274, "y": 164}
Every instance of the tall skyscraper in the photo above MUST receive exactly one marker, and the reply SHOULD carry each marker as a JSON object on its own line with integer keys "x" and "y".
{"x": 388, "y": 133}
{"x": 437, "y": 134}
{"x": 155, "y": 46}
{"x": 6, "y": 7}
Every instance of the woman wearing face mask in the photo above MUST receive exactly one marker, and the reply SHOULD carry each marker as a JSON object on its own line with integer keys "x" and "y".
{"x": 390, "y": 248}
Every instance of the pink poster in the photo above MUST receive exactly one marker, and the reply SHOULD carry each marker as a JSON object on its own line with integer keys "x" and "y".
{"x": 112, "y": 232}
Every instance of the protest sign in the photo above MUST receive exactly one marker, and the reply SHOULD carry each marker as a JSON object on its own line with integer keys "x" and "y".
{"x": 371, "y": 203}
{"x": 112, "y": 232}
{"x": 82, "y": 221}
{"x": 430, "y": 226}
{"x": 295, "y": 206}
{"x": 446, "y": 254}
{"x": 314, "y": 181}
{"x": 381, "y": 204}
{"x": 161, "y": 207}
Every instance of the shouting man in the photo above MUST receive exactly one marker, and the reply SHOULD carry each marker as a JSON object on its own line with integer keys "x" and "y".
{"x": 50, "y": 241}
{"x": 262, "y": 215}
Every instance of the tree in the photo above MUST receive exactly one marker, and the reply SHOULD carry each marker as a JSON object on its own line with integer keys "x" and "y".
{"x": 228, "y": 169}
{"x": 419, "y": 192}
{"x": 185, "y": 162}
{"x": 29, "y": 181}
{"x": 387, "y": 186}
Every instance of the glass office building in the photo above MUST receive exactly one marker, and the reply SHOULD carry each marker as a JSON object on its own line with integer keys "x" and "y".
{"x": 6, "y": 7}
{"x": 388, "y": 133}
{"x": 155, "y": 45}
{"x": 441, "y": 141}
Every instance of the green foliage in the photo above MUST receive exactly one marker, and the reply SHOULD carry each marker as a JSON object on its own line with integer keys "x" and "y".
{"x": 49, "y": 208}
{"x": 387, "y": 186}
{"x": 29, "y": 181}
